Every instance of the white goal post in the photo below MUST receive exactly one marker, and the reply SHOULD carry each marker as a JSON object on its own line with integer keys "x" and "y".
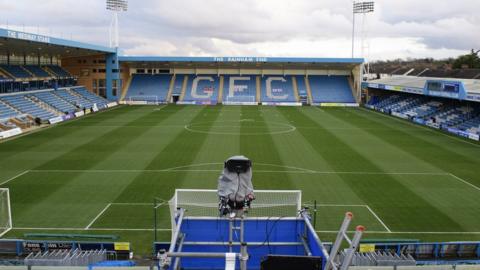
{"x": 239, "y": 100}
{"x": 267, "y": 203}
{"x": 142, "y": 100}
{"x": 5, "y": 212}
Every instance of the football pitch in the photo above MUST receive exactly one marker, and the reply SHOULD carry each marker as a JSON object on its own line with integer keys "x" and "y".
{"x": 100, "y": 174}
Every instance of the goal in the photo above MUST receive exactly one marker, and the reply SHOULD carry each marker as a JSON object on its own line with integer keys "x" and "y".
{"x": 267, "y": 203}
{"x": 240, "y": 99}
{"x": 143, "y": 100}
{"x": 5, "y": 212}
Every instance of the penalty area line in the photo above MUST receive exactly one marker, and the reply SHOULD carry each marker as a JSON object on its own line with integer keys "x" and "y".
{"x": 378, "y": 218}
{"x": 15, "y": 177}
{"x": 464, "y": 181}
{"x": 99, "y": 214}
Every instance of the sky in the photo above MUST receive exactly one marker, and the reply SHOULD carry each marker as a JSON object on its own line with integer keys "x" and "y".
{"x": 267, "y": 28}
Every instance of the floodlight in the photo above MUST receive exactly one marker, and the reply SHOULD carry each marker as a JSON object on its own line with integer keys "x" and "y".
{"x": 363, "y": 7}
{"x": 115, "y": 6}
{"x": 360, "y": 8}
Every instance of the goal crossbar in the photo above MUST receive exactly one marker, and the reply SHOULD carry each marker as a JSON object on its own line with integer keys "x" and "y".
{"x": 5, "y": 212}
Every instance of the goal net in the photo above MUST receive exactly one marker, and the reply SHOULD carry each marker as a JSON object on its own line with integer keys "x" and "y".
{"x": 267, "y": 203}
{"x": 142, "y": 100}
{"x": 5, "y": 212}
{"x": 240, "y": 99}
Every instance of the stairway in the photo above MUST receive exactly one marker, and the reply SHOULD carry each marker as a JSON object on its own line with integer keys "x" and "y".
{"x": 309, "y": 90}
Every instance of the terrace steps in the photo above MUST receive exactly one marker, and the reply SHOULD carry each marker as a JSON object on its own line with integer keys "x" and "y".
{"x": 295, "y": 88}
{"x": 125, "y": 88}
{"x": 309, "y": 90}
{"x": 220, "y": 90}
{"x": 170, "y": 88}
{"x": 184, "y": 87}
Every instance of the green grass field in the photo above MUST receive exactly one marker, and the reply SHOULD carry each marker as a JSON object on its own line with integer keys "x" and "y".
{"x": 99, "y": 174}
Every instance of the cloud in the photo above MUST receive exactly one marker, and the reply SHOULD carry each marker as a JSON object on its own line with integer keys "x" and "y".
{"x": 407, "y": 28}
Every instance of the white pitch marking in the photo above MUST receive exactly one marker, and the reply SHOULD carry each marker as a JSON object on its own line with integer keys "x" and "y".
{"x": 464, "y": 181}
{"x": 95, "y": 219}
{"x": 82, "y": 229}
{"x": 15, "y": 177}
{"x": 259, "y": 171}
{"x": 125, "y": 203}
{"x": 378, "y": 218}
{"x": 165, "y": 229}
{"x": 355, "y": 205}
{"x": 384, "y": 232}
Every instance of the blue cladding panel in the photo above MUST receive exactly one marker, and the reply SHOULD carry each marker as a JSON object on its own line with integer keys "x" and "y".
{"x": 216, "y": 230}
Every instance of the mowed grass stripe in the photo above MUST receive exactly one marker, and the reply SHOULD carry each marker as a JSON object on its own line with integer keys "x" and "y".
{"x": 50, "y": 135}
{"x": 34, "y": 149}
{"x": 181, "y": 151}
{"x": 457, "y": 200}
{"x": 31, "y": 193}
{"x": 381, "y": 193}
{"x": 262, "y": 149}
{"x": 215, "y": 149}
{"x": 439, "y": 154}
{"x": 296, "y": 151}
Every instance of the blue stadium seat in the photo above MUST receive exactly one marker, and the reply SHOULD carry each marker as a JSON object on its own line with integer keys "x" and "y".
{"x": 239, "y": 88}
{"x": 16, "y": 71}
{"x": 177, "y": 85}
{"x": 55, "y": 101}
{"x": 100, "y": 101}
{"x": 148, "y": 87}
{"x": 76, "y": 100}
{"x": 277, "y": 89}
{"x": 6, "y": 111}
{"x": 331, "y": 89}
{"x": 37, "y": 71}
{"x": 27, "y": 106}
{"x": 301, "y": 85}
{"x": 59, "y": 71}
{"x": 202, "y": 89}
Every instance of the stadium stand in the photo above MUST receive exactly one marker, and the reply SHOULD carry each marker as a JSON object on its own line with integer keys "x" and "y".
{"x": 239, "y": 88}
{"x": 6, "y": 124}
{"x": 302, "y": 87}
{"x": 100, "y": 101}
{"x": 431, "y": 111}
{"x": 37, "y": 71}
{"x": 6, "y": 111}
{"x": 15, "y": 71}
{"x": 76, "y": 100}
{"x": 58, "y": 71}
{"x": 452, "y": 116}
{"x": 55, "y": 101}
{"x": 331, "y": 89}
{"x": 472, "y": 125}
{"x": 149, "y": 87}
{"x": 202, "y": 89}
{"x": 277, "y": 89}
{"x": 27, "y": 106}
{"x": 177, "y": 85}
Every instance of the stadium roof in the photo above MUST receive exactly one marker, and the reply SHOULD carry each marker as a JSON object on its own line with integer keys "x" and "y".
{"x": 240, "y": 62}
{"x": 471, "y": 85}
{"x": 20, "y": 43}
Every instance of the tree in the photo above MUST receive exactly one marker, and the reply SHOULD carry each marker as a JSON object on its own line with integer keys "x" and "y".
{"x": 471, "y": 60}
